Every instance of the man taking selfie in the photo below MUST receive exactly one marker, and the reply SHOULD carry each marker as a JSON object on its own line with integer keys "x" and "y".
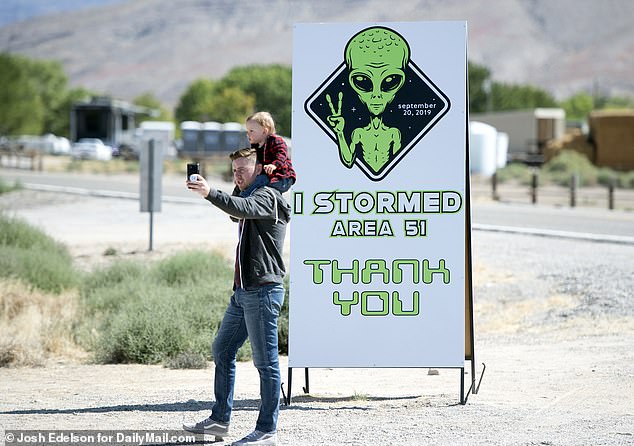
{"x": 258, "y": 295}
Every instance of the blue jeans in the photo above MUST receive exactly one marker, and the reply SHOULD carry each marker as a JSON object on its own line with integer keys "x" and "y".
{"x": 282, "y": 185}
{"x": 251, "y": 314}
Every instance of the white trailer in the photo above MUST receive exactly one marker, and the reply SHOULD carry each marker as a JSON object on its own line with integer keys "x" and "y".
{"x": 528, "y": 130}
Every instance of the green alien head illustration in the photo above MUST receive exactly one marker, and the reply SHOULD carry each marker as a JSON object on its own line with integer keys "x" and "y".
{"x": 367, "y": 104}
{"x": 376, "y": 59}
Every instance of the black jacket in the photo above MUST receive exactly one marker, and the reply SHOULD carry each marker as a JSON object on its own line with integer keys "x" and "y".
{"x": 265, "y": 215}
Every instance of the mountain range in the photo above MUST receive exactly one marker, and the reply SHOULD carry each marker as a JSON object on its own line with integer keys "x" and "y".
{"x": 128, "y": 47}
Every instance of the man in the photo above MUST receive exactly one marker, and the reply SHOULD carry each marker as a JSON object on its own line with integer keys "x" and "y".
{"x": 258, "y": 295}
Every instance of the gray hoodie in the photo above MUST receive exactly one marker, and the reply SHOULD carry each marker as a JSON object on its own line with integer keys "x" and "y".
{"x": 264, "y": 214}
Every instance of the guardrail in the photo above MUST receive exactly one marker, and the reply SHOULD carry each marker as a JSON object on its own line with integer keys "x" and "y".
{"x": 21, "y": 158}
{"x": 574, "y": 195}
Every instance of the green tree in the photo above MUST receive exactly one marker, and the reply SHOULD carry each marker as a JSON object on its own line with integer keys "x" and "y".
{"x": 193, "y": 104}
{"x": 479, "y": 88}
{"x": 615, "y": 103}
{"x": 149, "y": 101}
{"x": 270, "y": 85}
{"x": 230, "y": 105}
{"x": 578, "y": 106}
{"x": 519, "y": 97}
{"x": 22, "y": 109}
{"x": 206, "y": 100}
{"x": 51, "y": 84}
{"x": 34, "y": 96}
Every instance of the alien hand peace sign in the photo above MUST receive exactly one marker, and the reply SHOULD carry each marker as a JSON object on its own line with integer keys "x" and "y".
{"x": 335, "y": 119}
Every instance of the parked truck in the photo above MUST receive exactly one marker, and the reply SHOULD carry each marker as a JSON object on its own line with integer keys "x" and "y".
{"x": 110, "y": 120}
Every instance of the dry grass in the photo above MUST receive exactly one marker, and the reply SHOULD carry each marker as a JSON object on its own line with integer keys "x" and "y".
{"x": 35, "y": 326}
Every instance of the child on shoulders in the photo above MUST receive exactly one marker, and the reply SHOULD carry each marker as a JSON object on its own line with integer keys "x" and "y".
{"x": 272, "y": 151}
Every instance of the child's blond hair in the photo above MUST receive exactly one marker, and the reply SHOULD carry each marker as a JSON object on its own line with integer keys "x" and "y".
{"x": 264, "y": 119}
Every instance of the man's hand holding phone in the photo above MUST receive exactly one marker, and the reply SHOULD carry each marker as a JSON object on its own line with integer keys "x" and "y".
{"x": 195, "y": 181}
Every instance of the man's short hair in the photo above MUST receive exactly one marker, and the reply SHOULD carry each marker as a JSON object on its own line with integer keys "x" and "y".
{"x": 248, "y": 152}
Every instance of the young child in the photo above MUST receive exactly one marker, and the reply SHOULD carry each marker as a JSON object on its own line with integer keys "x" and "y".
{"x": 272, "y": 151}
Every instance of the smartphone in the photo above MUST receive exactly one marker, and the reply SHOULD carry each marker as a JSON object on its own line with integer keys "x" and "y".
{"x": 192, "y": 169}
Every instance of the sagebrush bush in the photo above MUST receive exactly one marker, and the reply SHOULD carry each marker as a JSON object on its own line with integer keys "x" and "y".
{"x": 159, "y": 323}
{"x": 124, "y": 271}
{"x": 191, "y": 267}
{"x": 515, "y": 172}
{"x": 147, "y": 331}
{"x": 150, "y": 314}
{"x": 18, "y": 233}
{"x": 607, "y": 176}
{"x": 29, "y": 255}
{"x": 7, "y": 187}
{"x": 626, "y": 180}
{"x": 561, "y": 168}
{"x": 186, "y": 360}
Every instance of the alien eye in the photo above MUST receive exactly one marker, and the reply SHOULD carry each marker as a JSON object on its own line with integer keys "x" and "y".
{"x": 391, "y": 82}
{"x": 362, "y": 82}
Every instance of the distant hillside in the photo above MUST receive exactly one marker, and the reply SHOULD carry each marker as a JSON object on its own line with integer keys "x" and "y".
{"x": 19, "y": 10}
{"x": 134, "y": 46}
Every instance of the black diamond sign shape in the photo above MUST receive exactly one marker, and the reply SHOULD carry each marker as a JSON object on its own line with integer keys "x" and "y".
{"x": 415, "y": 110}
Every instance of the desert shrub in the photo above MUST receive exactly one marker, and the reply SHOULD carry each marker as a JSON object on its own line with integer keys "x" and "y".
{"x": 152, "y": 314}
{"x": 560, "y": 169}
{"x": 515, "y": 172}
{"x": 18, "y": 233}
{"x": 110, "y": 251}
{"x": 156, "y": 324}
{"x": 191, "y": 267}
{"x": 186, "y": 360}
{"x": 626, "y": 180}
{"x": 124, "y": 271}
{"x": 605, "y": 176}
{"x": 28, "y": 254}
{"x": 7, "y": 187}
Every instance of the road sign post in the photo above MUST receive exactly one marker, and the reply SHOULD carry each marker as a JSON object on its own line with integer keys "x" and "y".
{"x": 151, "y": 168}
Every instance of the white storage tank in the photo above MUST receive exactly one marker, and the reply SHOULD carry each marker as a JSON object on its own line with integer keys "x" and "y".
{"x": 483, "y": 142}
{"x": 502, "y": 149}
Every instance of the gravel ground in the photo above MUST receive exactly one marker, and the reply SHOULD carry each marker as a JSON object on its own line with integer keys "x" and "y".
{"x": 554, "y": 323}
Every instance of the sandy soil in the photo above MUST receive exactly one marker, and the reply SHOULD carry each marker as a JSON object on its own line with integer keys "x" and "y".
{"x": 554, "y": 325}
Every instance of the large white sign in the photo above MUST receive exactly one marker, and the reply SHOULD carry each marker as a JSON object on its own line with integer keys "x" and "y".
{"x": 378, "y": 225}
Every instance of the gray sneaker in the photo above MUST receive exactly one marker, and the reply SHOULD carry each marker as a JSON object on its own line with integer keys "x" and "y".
{"x": 258, "y": 438}
{"x": 208, "y": 427}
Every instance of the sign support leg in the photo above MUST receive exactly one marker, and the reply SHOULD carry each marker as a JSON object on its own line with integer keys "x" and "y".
{"x": 462, "y": 399}
{"x": 289, "y": 389}
{"x": 306, "y": 388}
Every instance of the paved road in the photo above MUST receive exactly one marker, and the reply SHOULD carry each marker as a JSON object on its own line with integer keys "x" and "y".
{"x": 577, "y": 220}
{"x": 616, "y": 226}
